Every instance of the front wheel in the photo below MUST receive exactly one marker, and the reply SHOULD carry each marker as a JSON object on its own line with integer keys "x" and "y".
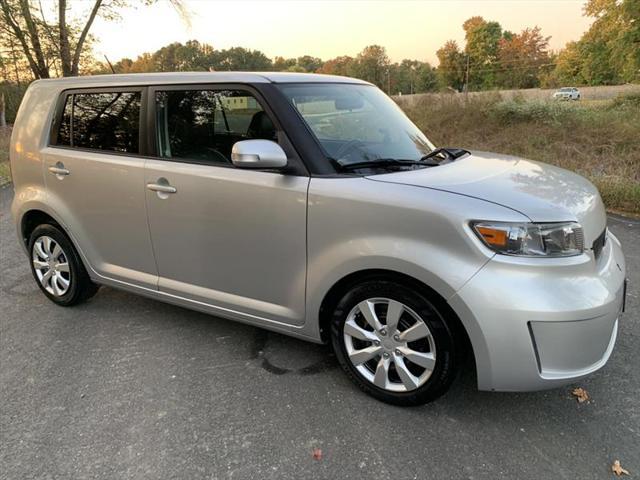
{"x": 394, "y": 343}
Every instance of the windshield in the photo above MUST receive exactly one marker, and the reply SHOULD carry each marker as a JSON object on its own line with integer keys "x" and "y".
{"x": 357, "y": 123}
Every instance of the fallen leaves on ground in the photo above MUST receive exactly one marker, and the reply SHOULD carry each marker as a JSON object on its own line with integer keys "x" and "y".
{"x": 618, "y": 470}
{"x": 317, "y": 454}
{"x": 581, "y": 394}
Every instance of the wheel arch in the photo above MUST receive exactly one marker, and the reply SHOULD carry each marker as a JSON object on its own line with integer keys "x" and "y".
{"x": 342, "y": 286}
{"x": 31, "y": 219}
{"x": 35, "y": 216}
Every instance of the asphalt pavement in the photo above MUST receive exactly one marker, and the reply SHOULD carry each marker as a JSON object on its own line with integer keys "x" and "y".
{"x": 124, "y": 387}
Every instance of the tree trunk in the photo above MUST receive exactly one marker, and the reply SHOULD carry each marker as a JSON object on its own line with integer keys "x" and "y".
{"x": 43, "y": 71}
{"x": 3, "y": 118}
{"x": 65, "y": 52}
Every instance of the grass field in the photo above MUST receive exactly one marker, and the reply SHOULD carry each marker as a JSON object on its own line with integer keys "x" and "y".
{"x": 599, "y": 139}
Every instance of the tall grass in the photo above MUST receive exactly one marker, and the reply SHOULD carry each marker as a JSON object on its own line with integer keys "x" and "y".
{"x": 598, "y": 139}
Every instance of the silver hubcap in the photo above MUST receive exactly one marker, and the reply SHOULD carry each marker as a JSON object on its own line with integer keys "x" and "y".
{"x": 51, "y": 266}
{"x": 389, "y": 344}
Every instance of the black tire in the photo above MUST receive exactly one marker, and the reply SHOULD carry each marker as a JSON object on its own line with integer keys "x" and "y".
{"x": 448, "y": 351}
{"x": 81, "y": 288}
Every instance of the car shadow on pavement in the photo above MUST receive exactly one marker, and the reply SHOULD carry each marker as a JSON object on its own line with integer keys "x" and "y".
{"x": 281, "y": 355}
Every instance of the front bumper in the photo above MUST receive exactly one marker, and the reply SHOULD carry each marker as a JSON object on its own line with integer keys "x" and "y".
{"x": 542, "y": 323}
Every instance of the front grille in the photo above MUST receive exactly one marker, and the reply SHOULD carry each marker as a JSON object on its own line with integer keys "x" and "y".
{"x": 598, "y": 244}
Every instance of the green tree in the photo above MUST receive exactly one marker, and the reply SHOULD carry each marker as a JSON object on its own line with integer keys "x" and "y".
{"x": 451, "y": 68}
{"x": 372, "y": 65}
{"x": 281, "y": 64}
{"x": 413, "y": 76}
{"x": 192, "y": 56}
{"x": 521, "y": 58}
{"x": 427, "y": 78}
{"x": 344, "y": 65}
{"x": 309, "y": 63}
{"x": 240, "y": 59}
{"x": 609, "y": 52}
{"x": 482, "y": 46}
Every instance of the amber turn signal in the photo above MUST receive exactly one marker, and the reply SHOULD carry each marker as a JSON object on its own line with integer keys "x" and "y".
{"x": 493, "y": 236}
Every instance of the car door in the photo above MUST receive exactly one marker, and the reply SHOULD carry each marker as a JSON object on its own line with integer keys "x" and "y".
{"x": 95, "y": 181}
{"x": 233, "y": 239}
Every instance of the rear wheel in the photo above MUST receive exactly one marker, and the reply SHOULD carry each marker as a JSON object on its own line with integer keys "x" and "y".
{"x": 57, "y": 268}
{"x": 394, "y": 343}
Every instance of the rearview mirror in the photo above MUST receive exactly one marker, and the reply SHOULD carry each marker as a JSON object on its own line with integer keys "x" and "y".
{"x": 258, "y": 154}
{"x": 348, "y": 103}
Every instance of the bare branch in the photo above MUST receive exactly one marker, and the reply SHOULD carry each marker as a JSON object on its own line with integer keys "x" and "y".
{"x": 16, "y": 30}
{"x": 183, "y": 11}
{"x": 83, "y": 37}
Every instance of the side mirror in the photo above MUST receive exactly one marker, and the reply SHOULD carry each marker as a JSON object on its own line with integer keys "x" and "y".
{"x": 258, "y": 154}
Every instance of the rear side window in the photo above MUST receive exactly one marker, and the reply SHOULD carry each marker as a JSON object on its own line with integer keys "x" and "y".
{"x": 101, "y": 121}
{"x": 203, "y": 125}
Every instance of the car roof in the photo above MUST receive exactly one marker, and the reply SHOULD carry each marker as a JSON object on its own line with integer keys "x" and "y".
{"x": 199, "y": 77}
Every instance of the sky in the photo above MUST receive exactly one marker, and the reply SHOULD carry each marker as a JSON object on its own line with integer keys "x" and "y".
{"x": 329, "y": 28}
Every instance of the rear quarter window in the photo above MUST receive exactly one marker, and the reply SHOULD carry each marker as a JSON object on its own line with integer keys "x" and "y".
{"x": 108, "y": 121}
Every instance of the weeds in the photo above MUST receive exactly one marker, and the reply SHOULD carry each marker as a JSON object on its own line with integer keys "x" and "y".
{"x": 599, "y": 139}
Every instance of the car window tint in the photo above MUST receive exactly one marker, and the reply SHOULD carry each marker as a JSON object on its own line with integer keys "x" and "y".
{"x": 203, "y": 125}
{"x": 106, "y": 121}
{"x": 64, "y": 128}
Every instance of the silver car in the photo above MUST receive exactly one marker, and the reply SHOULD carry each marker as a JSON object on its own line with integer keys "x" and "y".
{"x": 566, "y": 93}
{"x": 310, "y": 205}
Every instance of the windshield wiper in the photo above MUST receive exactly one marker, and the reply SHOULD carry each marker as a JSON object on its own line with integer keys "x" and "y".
{"x": 428, "y": 160}
{"x": 449, "y": 154}
{"x": 381, "y": 162}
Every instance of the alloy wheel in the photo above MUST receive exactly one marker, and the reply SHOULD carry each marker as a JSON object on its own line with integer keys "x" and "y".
{"x": 389, "y": 344}
{"x": 51, "y": 266}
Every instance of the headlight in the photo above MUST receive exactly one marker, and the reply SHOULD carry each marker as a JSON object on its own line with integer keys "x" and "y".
{"x": 531, "y": 239}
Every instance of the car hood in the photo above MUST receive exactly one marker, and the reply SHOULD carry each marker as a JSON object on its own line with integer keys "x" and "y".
{"x": 541, "y": 192}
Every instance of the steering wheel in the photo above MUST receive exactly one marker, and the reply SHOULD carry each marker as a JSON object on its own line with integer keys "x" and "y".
{"x": 347, "y": 147}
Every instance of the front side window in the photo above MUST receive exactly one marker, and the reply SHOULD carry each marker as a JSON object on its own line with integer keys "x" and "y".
{"x": 101, "y": 121}
{"x": 357, "y": 123}
{"x": 203, "y": 125}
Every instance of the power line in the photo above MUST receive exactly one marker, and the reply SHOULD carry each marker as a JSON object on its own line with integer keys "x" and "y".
{"x": 498, "y": 69}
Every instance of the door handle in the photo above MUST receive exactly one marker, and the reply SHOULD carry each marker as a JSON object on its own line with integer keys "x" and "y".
{"x": 158, "y": 187}
{"x": 59, "y": 171}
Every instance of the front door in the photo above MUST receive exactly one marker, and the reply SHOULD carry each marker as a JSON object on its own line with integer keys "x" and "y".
{"x": 231, "y": 238}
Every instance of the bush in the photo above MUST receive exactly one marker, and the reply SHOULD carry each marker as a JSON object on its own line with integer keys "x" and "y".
{"x": 630, "y": 100}
{"x": 537, "y": 111}
{"x": 13, "y": 94}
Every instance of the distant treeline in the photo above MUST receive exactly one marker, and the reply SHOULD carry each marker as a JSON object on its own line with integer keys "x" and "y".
{"x": 492, "y": 58}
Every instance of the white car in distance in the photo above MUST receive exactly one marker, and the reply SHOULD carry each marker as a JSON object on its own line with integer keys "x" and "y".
{"x": 567, "y": 93}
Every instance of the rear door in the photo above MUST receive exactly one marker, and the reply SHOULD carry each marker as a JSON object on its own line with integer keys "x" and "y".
{"x": 95, "y": 181}
{"x": 231, "y": 238}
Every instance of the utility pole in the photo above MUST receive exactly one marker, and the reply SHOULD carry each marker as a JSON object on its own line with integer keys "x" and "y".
{"x": 413, "y": 70}
{"x": 466, "y": 81}
{"x": 388, "y": 81}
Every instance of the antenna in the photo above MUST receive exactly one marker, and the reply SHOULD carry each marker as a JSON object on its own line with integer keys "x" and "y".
{"x": 110, "y": 66}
